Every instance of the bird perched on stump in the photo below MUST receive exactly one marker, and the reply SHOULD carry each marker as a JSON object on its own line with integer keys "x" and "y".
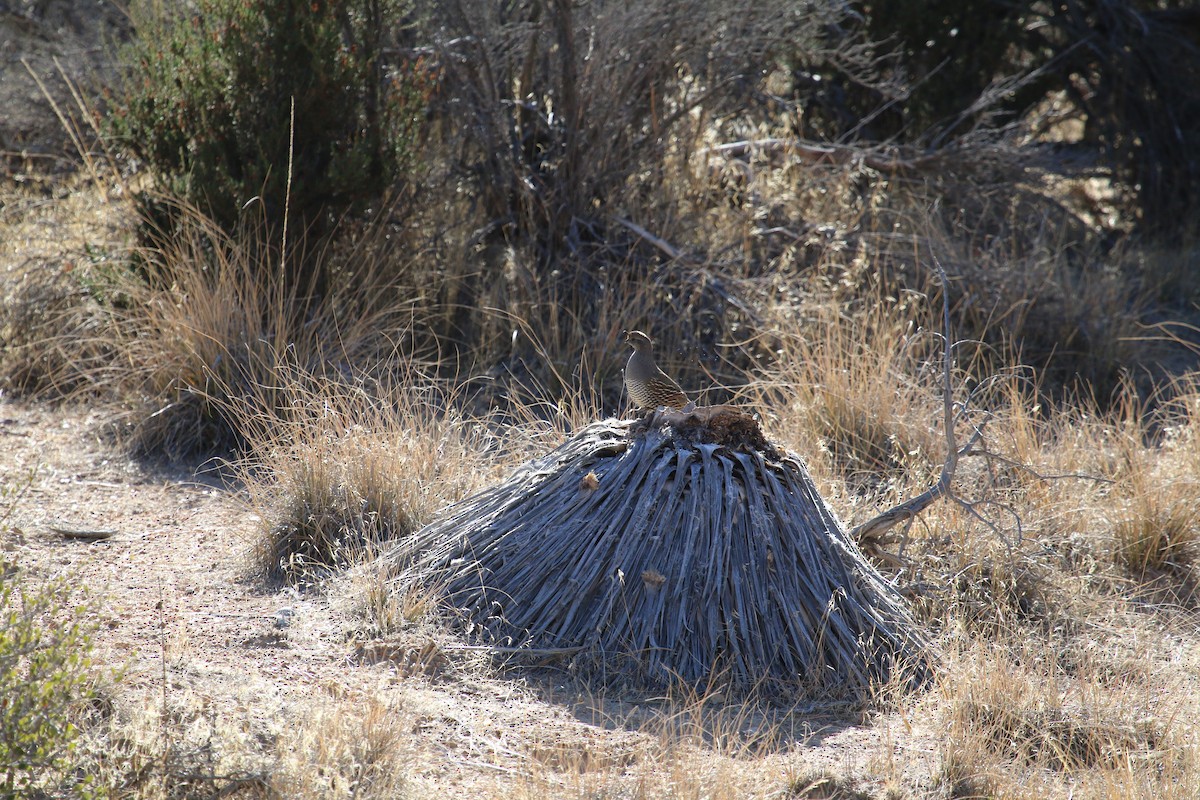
{"x": 649, "y": 386}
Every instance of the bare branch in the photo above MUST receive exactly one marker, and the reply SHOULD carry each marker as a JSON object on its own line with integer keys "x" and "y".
{"x": 871, "y": 534}
{"x": 661, "y": 244}
{"x": 813, "y": 153}
{"x": 873, "y": 528}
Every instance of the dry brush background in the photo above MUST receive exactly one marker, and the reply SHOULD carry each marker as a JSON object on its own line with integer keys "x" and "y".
{"x": 259, "y": 397}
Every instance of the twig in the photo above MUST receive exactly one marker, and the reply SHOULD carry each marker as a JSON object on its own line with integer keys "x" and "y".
{"x": 83, "y": 534}
{"x": 661, "y": 244}
{"x": 873, "y": 528}
{"x": 68, "y": 125}
{"x": 811, "y": 153}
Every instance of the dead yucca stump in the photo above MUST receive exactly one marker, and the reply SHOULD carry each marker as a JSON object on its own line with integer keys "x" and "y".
{"x": 685, "y": 547}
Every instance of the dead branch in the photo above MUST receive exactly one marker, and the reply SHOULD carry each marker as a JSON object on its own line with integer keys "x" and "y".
{"x": 870, "y": 533}
{"x": 812, "y": 153}
{"x": 662, "y": 244}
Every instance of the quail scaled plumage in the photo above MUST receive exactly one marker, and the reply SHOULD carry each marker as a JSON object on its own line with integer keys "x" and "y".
{"x": 649, "y": 386}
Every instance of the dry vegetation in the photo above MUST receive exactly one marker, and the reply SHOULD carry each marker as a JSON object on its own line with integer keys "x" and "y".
{"x": 456, "y": 339}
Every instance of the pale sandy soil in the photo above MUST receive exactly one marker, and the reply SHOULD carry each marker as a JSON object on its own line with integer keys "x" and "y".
{"x": 50, "y": 42}
{"x": 244, "y": 678}
{"x": 198, "y": 636}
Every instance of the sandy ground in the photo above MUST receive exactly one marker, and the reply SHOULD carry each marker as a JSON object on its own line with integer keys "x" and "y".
{"x": 199, "y": 636}
{"x": 50, "y": 41}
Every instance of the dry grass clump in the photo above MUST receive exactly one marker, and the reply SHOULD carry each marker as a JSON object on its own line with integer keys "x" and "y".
{"x": 356, "y": 748}
{"x": 335, "y": 473}
{"x": 1083, "y": 326}
{"x": 987, "y": 588}
{"x": 54, "y": 337}
{"x": 191, "y": 746}
{"x": 180, "y": 747}
{"x": 858, "y": 387}
{"x": 1017, "y": 725}
{"x": 407, "y": 633}
{"x": 861, "y": 397}
{"x": 1154, "y": 507}
{"x": 213, "y": 326}
{"x": 1037, "y": 291}
{"x": 1158, "y": 527}
{"x": 57, "y": 260}
{"x": 198, "y": 326}
{"x": 1030, "y": 282}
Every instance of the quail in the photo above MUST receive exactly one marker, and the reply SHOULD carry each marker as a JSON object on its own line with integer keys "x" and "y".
{"x": 649, "y": 386}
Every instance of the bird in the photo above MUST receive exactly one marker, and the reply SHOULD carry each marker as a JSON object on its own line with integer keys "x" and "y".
{"x": 649, "y": 386}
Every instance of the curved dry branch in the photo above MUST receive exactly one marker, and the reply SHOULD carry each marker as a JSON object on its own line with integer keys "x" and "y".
{"x": 873, "y": 533}
{"x": 870, "y": 533}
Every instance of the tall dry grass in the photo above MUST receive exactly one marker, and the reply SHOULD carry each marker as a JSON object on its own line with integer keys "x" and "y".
{"x": 212, "y": 327}
{"x": 334, "y": 472}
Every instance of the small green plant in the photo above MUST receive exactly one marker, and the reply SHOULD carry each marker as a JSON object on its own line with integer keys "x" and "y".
{"x": 45, "y": 675}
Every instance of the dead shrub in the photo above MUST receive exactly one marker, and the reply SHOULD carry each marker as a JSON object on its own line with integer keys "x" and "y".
{"x": 563, "y": 113}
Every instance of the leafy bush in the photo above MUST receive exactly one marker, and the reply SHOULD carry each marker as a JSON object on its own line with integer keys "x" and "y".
{"x": 223, "y": 103}
{"x": 45, "y": 676}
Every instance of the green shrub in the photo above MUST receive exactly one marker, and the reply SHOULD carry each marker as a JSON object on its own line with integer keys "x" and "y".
{"x": 46, "y": 674}
{"x": 45, "y": 678}
{"x": 208, "y": 104}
